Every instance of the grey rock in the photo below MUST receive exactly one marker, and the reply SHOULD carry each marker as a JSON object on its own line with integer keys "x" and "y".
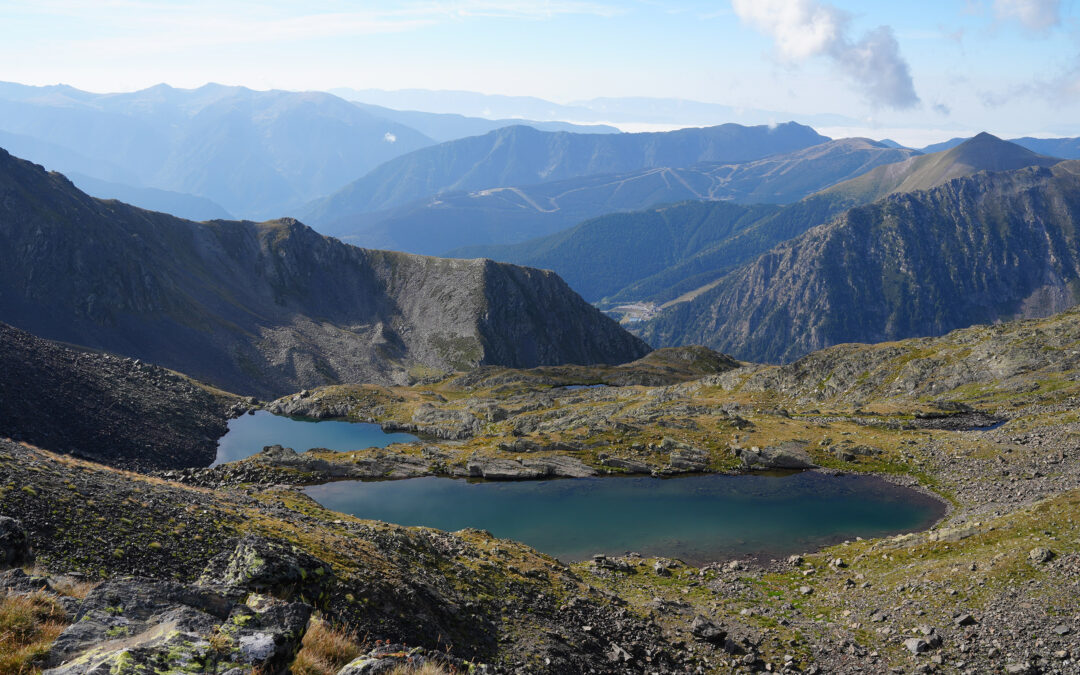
{"x": 707, "y": 631}
{"x": 14, "y": 544}
{"x": 627, "y": 465}
{"x": 916, "y": 645}
{"x": 366, "y": 665}
{"x": 789, "y": 455}
{"x": 264, "y": 564}
{"x": 965, "y": 620}
{"x": 163, "y": 626}
{"x": 17, "y": 581}
{"x": 1040, "y": 555}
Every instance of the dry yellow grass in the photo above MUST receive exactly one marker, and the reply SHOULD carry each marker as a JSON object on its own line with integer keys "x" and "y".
{"x": 326, "y": 649}
{"x": 29, "y": 624}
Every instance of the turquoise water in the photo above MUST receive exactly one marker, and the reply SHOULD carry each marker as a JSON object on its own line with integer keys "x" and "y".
{"x": 248, "y": 434}
{"x": 696, "y": 518}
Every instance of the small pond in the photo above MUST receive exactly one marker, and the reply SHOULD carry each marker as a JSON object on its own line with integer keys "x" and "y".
{"x": 248, "y": 434}
{"x": 695, "y": 518}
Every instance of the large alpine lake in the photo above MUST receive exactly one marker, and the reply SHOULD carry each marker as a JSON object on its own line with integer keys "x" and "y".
{"x": 696, "y": 518}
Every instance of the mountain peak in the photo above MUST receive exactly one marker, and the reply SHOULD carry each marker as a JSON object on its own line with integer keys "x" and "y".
{"x": 983, "y": 152}
{"x": 986, "y": 152}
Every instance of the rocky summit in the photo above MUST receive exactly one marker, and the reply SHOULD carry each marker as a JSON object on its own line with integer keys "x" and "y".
{"x": 270, "y": 308}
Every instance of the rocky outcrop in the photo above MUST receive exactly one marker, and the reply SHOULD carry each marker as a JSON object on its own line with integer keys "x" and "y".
{"x": 1010, "y": 357}
{"x": 142, "y": 625}
{"x": 115, "y": 410}
{"x": 271, "y": 308}
{"x": 391, "y": 658}
{"x": 785, "y": 456}
{"x": 14, "y": 544}
{"x": 492, "y": 468}
{"x": 272, "y": 566}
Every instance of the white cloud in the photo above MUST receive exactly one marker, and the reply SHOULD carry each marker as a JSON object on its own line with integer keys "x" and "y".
{"x": 804, "y": 29}
{"x": 800, "y": 28}
{"x": 1036, "y": 16}
{"x": 390, "y": 137}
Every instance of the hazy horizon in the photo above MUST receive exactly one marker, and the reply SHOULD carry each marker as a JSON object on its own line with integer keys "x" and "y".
{"x": 917, "y": 73}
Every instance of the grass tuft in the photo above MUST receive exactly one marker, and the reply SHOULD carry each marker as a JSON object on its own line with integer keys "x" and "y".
{"x": 326, "y": 649}
{"x": 29, "y": 624}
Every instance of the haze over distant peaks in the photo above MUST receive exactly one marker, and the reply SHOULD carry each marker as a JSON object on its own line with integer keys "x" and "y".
{"x": 523, "y": 156}
{"x": 629, "y": 109}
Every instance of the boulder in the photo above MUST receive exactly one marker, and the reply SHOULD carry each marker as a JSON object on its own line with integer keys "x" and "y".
{"x": 791, "y": 455}
{"x": 1040, "y": 555}
{"x": 271, "y": 566}
{"x": 707, "y": 631}
{"x": 143, "y": 625}
{"x": 14, "y": 544}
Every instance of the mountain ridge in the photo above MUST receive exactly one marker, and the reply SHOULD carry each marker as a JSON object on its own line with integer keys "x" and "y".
{"x": 462, "y": 224}
{"x": 977, "y": 249}
{"x": 522, "y": 156}
{"x": 268, "y": 308}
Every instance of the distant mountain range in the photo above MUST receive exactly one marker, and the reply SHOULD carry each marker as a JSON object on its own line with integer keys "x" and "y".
{"x": 983, "y": 152}
{"x": 976, "y": 249}
{"x": 254, "y": 153}
{"x": 671, "y": 254}
{"x": 633, "y": 109}
{"x": 273, "y": 307}
{"x": 508, "y": 213}
{"x": 442, "y": 126}
{"x": 520, "y": 156}
{"x": 1065, "y": 148}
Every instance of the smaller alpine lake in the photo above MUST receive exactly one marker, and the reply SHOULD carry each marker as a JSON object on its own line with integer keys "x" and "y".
{"x": 698, "y": 518}
{"x": 248, "y": 434}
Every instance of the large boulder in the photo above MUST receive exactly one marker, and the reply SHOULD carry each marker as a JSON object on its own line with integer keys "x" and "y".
{"x": 790, "y": 455}
{"x": 14, "y": 544}
{"x": 274, "y": 567}
{"x": 143, "y": 625}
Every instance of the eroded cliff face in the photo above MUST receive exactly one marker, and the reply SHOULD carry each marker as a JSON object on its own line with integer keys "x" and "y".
{"x": 272, "y": 307}
{"x": 991, "y": 247}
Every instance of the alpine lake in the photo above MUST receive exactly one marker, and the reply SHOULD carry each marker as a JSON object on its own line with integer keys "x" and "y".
{"x": 696, "y": 518}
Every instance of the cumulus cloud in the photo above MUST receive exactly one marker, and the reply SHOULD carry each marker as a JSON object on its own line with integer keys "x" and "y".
{"x": 804, "y": 29}
{"x": 390, "y": 137}
{"x": 1036, "y": 16}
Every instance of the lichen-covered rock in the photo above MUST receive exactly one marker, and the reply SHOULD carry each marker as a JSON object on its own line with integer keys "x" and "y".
{"x": 262, "y": 564}
{"x": 389, "y": 657}
{"x": 144, "y": 626}
{"x": 14, "y": 544}
{"x": 785, "y": 456}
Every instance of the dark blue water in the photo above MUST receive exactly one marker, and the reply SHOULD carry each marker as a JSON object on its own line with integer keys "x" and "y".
{"x": 248, "y": 434}
{"x": 697, "y": 519}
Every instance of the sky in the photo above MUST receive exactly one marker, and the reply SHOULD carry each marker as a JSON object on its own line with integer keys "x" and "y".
{"x": 917, "y": 71}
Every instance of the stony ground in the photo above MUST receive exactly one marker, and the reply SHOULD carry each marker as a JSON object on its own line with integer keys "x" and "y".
{"x": 994, "y": 587}
{"x": 108, "y": 408}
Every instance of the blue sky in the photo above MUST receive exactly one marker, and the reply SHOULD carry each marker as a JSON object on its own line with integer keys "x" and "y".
{"x": 940, "y": 68}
